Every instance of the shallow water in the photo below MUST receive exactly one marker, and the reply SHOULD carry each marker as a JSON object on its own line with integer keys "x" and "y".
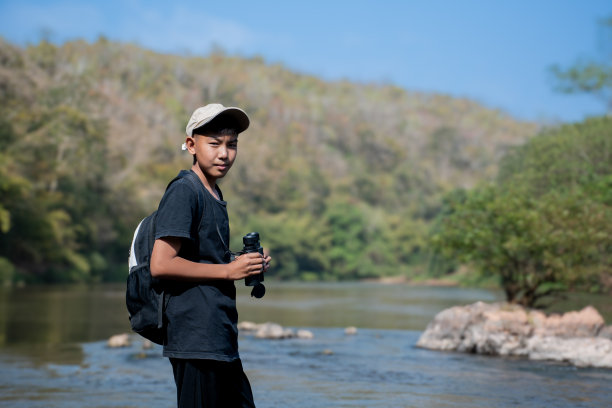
{"x": 374, "y": 368}
{"x": 54, "y": 354}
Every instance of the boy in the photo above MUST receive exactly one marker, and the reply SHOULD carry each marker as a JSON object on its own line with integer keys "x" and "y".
{"x": 190, "y": 254}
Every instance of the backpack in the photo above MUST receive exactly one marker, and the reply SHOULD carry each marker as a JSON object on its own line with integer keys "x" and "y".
{"x": 145, "y": 298}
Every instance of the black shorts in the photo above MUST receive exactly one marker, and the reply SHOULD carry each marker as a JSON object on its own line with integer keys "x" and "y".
{"x": 211, "y": 384}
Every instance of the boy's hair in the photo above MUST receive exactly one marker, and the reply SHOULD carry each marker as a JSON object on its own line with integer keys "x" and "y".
{"x": 220, "y": 126}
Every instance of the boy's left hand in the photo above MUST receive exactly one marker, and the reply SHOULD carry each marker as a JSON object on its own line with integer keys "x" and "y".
{"x": 267, "y": 259}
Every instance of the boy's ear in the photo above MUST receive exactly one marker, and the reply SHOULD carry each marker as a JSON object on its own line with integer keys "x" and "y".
{"x": 190, "y": 143}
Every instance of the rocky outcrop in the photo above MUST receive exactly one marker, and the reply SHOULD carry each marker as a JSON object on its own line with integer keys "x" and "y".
{"x": 580, "y": 338}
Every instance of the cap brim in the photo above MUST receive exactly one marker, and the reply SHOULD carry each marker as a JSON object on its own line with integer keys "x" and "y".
{"x": 239, "y": 118}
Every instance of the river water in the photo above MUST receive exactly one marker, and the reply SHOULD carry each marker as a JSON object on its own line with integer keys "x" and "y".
{"x": 53, "y": 353}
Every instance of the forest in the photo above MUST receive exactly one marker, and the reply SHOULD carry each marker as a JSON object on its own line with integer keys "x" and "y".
{"x": 342, "y": 180}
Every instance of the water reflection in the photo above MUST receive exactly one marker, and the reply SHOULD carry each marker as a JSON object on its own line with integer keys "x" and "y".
{"x": 61, "y": 315}
{"x": 370, "y": 305}
{"x": 58, "y": 315}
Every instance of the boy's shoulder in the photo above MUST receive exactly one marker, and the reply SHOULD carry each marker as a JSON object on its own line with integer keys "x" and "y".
{"x": 185, "y": 181}
{"x": 187, "y": 191}
{"x": 181, "y": 206}
{"x": 181, "y": 193}
{"x": 189, "y": 178}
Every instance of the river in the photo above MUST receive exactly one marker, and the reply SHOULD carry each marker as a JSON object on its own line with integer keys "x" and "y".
{"x": 53, "y": 353}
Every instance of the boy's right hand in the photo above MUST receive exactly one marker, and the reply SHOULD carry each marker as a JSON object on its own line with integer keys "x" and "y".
{"x": 245, "y": 265}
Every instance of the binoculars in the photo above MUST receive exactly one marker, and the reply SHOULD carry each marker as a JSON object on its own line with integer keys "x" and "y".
{"x": 251, "y": 244}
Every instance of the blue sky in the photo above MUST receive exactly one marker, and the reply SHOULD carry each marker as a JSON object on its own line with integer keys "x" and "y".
{"x": 492, "y": 51}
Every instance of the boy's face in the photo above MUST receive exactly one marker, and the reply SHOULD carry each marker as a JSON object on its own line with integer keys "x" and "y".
{"x": 215, "y": 155}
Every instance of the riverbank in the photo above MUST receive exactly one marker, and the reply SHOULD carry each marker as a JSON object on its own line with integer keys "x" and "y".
{"x": 580, "y": 338}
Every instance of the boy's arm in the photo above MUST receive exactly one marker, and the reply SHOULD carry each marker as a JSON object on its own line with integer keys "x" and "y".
{"x": 166, "y": 264}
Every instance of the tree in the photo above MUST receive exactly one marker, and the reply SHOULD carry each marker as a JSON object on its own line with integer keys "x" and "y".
{"x": 546, "y": 224}
{"x": 535, "y": 246}
{"x": 589, "y": 76}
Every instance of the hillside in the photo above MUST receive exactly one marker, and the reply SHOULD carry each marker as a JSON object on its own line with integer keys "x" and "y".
{"x": 341, "y": 179}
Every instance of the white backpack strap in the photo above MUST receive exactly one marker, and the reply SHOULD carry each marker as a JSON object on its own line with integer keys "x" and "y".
{"x": 132, "y": 261}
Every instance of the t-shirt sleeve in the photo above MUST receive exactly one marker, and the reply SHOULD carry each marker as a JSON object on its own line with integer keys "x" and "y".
{"x": 176, "y": 212}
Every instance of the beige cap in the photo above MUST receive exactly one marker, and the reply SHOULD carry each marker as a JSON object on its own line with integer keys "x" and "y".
{"x": 205, "y": 114}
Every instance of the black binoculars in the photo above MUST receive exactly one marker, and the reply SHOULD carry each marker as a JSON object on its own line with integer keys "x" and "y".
{"x": 251, "y": 244}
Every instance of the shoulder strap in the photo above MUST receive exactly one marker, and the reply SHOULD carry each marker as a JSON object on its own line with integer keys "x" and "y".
{"x": 200, "y": 189}
{"x": 151, "y": 234}
{"x": 219, "y": 192}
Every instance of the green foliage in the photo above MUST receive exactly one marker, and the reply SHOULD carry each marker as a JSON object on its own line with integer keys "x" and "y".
{"x": 592, "y": 77}
{"x": 342, "y": 180}
{"x": 56, "y": 208}
{"x": 575, "y": 155}
{"x": 7, "y": 272}
{"x": 546, "y": 224}
{"x": 298, "y": 245}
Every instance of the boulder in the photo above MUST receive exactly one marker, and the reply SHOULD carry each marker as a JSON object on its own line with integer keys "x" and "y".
{"x": 273, "y": 331}
{"x": 304, "y": 334}
{"x": 579, "y": 351}
{"x": 247, "y": 326}
{"x": 606, "y": 332}
{"x": 511, "y": 330}
{"x": 118, "y": 340}
{"x": 584, "y": 323}
{"x": 479, "y": 328}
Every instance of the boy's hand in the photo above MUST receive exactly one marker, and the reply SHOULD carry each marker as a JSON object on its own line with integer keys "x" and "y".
{"x": 267, "y": 259}
{"x": 246, "y": 265}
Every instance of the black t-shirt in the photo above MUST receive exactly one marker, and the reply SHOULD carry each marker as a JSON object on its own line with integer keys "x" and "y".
{"x": 201, "y": 318}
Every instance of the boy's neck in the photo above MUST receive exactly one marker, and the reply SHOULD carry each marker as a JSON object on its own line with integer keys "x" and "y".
{"x": 209, "y": 183}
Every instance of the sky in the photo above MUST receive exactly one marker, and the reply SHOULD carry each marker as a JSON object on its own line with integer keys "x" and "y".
{"x": 495, "y": 52}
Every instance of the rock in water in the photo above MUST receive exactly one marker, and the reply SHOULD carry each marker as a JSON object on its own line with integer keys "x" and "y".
{"x": 505, "y": 329}
{"x": 304, "y": 334}
{"x": 119, "y": 340}
{"x": 247, "y": 326}
{"x": 273, "y": 331}
{"x": 579, "y": 351}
